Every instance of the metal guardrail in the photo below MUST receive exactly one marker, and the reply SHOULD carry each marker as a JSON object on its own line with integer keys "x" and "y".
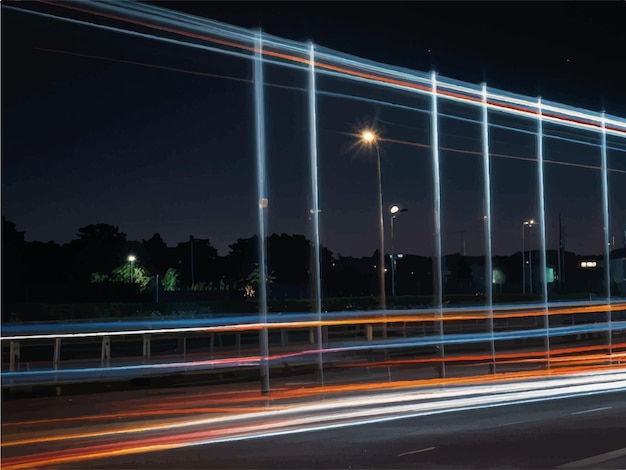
{"x": 342, "y": 332}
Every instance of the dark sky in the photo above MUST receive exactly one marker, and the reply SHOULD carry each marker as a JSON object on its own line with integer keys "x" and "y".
{"x": 565, "y": 51}
{"x": 99, "y": 127}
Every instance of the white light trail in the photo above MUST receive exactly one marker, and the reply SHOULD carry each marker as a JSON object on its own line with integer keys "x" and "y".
{"x": 194, "y": 29}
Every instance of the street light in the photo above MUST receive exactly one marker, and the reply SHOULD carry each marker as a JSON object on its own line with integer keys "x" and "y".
{"x": 394, "y": 210}
{"x": 370, "y": 139}
{"x": 131, "y": 259}
{"x": 526, "y": 223}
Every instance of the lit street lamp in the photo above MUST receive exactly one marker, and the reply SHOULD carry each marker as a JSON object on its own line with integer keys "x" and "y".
{"x": 394, "y": 210}
{"x": 526, "y": 223}
{"x": 131, "y": 259}
{"x": 369, "y": 138}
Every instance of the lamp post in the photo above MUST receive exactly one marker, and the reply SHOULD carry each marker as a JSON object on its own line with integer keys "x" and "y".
{"x": 526, "y": 223}
{"x": 370, "y": 138}
{"x": 131, "y": 260}
{"x": 394, "y": 210}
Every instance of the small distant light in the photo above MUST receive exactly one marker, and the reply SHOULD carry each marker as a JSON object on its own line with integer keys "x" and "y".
{"x": 588, "y": 264}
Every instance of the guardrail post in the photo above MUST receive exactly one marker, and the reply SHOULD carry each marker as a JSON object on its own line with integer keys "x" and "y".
{"x": 284, "y": 338}
{"x": 14, "y": 350}
{"x": 311, "y": 335}
{"x": 146, "y": 347}
{"x": 57, "y": 353}
{"x": 105, "y": 356}
{"x": 369, "y": 332}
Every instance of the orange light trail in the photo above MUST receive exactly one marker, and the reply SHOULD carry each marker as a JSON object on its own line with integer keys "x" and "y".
{"x": 351, "y": 72}
{"x": 85, "y": 451}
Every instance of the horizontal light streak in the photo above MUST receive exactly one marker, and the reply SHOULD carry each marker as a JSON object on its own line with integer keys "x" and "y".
{"x": 275, "y": 321}
{"x": 331, "y": 414}
{"x": 500, "y": 357}
{"x": 376, "y": 74}
{"x": 386, "y": 103}
{"x": 99, "y": 372}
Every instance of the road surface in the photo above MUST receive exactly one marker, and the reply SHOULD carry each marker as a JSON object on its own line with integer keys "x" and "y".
{"x": 220, "y": 427}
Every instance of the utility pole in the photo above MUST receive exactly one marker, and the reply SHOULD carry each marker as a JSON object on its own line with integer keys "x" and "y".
{"x": 191, "y": 256}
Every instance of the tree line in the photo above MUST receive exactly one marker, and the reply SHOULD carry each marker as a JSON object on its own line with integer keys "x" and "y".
{"x": 97, "y": 261}
{"x": 95, "y": 267}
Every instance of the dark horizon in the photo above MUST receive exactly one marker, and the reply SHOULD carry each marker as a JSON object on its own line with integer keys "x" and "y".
{"x": 529, "y": 247}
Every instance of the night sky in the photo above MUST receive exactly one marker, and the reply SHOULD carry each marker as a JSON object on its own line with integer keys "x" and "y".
{"x": 154, "y": 138}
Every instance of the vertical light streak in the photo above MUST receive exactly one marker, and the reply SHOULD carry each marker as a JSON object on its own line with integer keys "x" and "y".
{"x": 381, "y": 238}
{"x": 437, "y": 200}
{"x": 542, "y": 230}
{"x": 315, "y": 201}
{"x": 487, "y": 227}
{"x": 606, "y": 220}
{"x": 263, "y": 207}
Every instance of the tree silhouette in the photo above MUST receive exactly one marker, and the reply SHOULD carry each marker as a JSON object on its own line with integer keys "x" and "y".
{"x": 99, "y": 248}
{"x": 158, "y": 253}
{"x": 242, "y": 260}
{"x": 13, "y": 268}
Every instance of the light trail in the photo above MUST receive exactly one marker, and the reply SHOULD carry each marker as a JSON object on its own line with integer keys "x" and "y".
{"x": 275, "y": 321}
{"x": 381, "y": 75}
{"x": 352, "y": 97}
{"x": 340, "y": 412}
{"x": 74, "y": 371}
{"x": 501, "y": 357}
{"x": 356, "y": 70}
{"x": 62, "y": 375}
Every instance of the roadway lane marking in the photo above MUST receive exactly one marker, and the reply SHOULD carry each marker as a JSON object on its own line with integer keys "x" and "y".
{"x": 517, "y": 422}
{"x": 591, "y": 411}
{"x": 416, "y": 451}
{"x": 596, "y": 459}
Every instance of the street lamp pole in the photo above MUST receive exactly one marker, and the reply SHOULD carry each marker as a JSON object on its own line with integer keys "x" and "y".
{"x": 381, "y": 229}
{"x": 393, "y": 253}
{"x": 395, "y": 209}
{"x": 369, "y": 137}
{"x": 131, "y": 259}
{"x": 528, "y": 223}
{"x": 193, "y": 282}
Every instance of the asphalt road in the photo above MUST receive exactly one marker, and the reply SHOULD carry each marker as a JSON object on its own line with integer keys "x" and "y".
{"x": 580, "y": 432}
{"x": 584, "y": 432}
